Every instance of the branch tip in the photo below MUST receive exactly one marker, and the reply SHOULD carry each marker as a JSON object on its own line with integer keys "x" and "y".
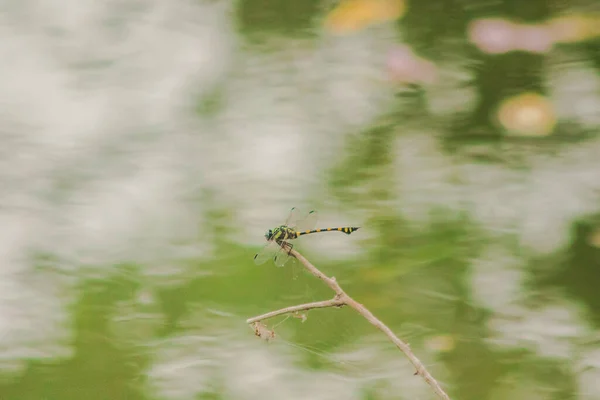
{"x": 339, "y": 300}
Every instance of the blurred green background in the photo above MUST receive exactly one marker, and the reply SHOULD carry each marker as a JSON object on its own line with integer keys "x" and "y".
{"x": 147, "y": 146}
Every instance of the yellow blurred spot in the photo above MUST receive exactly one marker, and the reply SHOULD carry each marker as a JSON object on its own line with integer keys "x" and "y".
{"x": 528, "y": 114}
{"x": 379, "y": 275}
{"x": 594, "y": 238}
{"x": 441, "y": 343}
{"x": 377, "y": 301}
{"x": 575, "y": 28}
{"x": 353, "y": 15}
{"x": 371, "y": 275}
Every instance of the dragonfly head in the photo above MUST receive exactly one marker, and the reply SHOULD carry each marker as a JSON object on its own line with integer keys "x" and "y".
{"x": 269, "y": 234}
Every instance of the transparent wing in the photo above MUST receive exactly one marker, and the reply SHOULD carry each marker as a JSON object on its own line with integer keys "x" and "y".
{"x": 267, "y": 252}
{"x": 292, "y": 219}
{"x": 309, "y": 222}
{"x": 282, "y": 257}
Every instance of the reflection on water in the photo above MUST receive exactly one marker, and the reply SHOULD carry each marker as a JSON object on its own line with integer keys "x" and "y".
{"x": 146, "y": 147}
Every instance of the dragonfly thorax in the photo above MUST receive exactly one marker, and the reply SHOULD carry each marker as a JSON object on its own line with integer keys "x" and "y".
{"x": 281, "y": 233}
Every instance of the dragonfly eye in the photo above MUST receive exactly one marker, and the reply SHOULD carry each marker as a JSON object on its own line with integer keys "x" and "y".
{"x": 269, "y": 234}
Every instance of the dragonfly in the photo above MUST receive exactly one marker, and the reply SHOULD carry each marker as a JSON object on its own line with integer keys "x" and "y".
{"x": 297, "y": 224}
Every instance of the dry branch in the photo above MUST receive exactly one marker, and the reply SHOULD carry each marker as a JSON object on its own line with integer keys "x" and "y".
{"x": 342, "y": 299}
{"x": 293, "y": 309}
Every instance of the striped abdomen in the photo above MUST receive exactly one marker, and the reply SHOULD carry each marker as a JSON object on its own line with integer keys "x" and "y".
{"x": 347, "y": 230}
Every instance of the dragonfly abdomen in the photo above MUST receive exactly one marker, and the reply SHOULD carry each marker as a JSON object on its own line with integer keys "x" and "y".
{"x": 346, "y": 229}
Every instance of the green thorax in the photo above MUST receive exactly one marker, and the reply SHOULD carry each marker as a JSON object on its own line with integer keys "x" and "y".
{"x": 281, "y": 233}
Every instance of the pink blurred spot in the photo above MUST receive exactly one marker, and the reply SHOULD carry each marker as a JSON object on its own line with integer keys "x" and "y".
{"x": 404, "y": 66}
{"x": 493, "y": 35}
{"x": 534, "y": 38}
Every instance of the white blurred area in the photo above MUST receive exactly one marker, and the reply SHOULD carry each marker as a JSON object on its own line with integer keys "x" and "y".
{"x": 535, "y": 204}
{"x": 98, "y": 147}
{"x": 225, "y": 360}
{"x": 102, "y": 161}
{"x": 241, "y": 369}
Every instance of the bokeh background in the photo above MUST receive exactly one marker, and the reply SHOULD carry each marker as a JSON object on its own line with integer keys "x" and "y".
{"x": 147, "y": 145}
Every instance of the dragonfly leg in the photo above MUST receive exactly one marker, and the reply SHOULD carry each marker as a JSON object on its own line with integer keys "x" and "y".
{"x": 288, "y": 245}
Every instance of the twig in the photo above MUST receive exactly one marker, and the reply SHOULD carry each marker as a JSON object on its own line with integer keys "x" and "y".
{"x": 342, "y": 299}
{"x": 302, "y": 307}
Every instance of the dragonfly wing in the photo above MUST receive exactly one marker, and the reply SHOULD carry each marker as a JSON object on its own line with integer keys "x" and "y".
{"x": 266, "y": 253}
{"x": 309, "y": 222}
{"x": 282, "y": 257}
{"x": 292, "y": 219}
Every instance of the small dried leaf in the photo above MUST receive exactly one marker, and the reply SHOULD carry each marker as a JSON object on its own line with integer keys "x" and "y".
{"x": 301, "y": 316}
{"x": 263, "y": 332}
